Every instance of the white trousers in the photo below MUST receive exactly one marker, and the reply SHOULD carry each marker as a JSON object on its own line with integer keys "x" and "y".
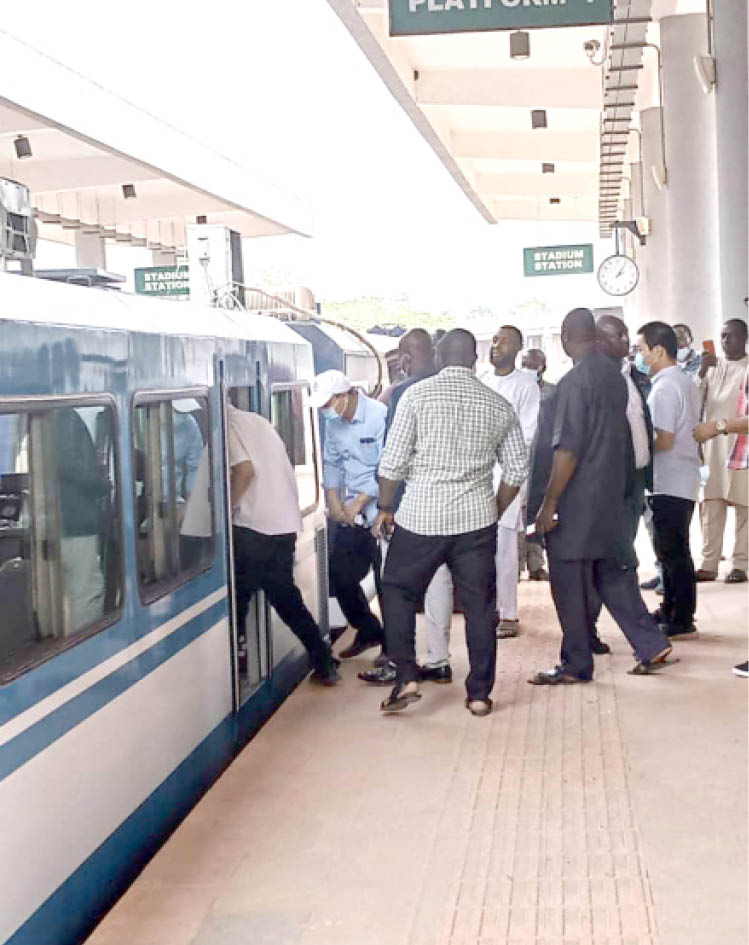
{"x": 438, "y": 612}
{"x": 438, "y": 602}
{"x": 507, "y": 573}
{"x": 82, "y": 582}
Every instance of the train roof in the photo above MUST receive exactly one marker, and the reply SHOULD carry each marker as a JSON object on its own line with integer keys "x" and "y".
{"x": 27, "y": 299}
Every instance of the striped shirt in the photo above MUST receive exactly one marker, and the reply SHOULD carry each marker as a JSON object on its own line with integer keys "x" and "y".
{"x": 448, "y": 433}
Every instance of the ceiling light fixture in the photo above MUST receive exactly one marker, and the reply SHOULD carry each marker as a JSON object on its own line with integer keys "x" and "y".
{"x": 538, "y": 118}
{"x": 128, "y": 191}
{"x": 520, "y": 45}
{"x": 23, "y": 147}
{"x": 547, "y": 168}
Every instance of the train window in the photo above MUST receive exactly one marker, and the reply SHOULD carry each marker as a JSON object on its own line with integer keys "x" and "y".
{"x": 173, "y": 490}
{"x": 293, "y": 419}
{"x": 60, "y": 528}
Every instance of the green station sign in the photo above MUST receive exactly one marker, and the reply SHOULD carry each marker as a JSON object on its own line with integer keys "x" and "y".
{"x": 558, "y": 260}
{"x": 162, "y": 280}
{"x": 415, "y": 17}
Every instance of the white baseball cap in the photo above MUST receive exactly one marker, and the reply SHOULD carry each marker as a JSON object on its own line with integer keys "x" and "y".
{"x": 327, "y": 385}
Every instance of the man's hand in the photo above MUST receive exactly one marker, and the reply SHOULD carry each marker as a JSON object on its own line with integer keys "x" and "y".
{"x": 349, "y": 512}
{"x": 383, "y": 525}
{"x": 546, "y": 520}
{"x": 707, "y": 361}
{"x": 705, "y": 431}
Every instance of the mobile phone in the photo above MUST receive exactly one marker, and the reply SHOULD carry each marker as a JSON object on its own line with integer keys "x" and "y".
{"x": 709, "y": 347}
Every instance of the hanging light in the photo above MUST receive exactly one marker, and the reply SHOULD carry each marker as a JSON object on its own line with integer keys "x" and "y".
{"x": 23, "y": 147}
{"x": 538, "y": 118}
{"x": 520, "y": 45}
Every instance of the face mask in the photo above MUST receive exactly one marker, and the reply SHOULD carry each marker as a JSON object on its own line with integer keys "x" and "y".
{"x": 682, "y": 354}
{"x": 641, "y": 364}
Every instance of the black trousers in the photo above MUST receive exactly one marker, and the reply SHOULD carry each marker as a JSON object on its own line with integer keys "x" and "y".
{"x": 578, "y": 587}
{"x": 354, "y": 552}
{"x": 266, "y": 562}
{"x": 409, "y": 567}
{"x": 672, "y": 517}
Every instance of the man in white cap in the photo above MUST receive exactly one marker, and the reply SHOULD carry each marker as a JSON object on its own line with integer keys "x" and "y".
{"x": 354, "y": 437}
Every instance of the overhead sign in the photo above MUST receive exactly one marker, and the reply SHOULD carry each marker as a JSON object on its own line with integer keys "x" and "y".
{"x": 558, "y": 260}
{"x": 162, "y": 280}
{"x": 414, "y": 17}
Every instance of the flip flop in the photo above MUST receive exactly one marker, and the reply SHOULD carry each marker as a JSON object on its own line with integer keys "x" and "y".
{"x": 651, "y": 669}
{"x": 479, "y": 707}
{"x": 399, "y": 700}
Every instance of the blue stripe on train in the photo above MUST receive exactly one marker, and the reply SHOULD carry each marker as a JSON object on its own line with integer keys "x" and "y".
{"x": 71, "y": 913}
{"x": 43, "y": 680}
{"x": 35, "y": 739}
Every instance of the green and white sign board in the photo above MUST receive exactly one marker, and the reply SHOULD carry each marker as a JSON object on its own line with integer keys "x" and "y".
{"x": 415, "y": 17}
{"x": 162, "y": 280}
{"x": 558, "y": 260}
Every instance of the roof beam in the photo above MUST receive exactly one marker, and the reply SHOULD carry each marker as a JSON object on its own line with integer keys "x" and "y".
{"x": 539, "y": 88}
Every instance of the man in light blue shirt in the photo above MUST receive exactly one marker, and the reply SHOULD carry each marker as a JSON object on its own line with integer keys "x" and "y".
{"x": 354, "y": 437}
{"x": 674, "y": 407}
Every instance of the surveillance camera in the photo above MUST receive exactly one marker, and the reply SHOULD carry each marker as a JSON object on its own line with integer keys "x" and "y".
{"x": 591, "y": 47}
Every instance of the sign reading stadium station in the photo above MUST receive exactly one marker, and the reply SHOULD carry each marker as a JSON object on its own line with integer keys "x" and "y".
{"x": 415, "y": 17}
{"x": 162, "y": 280}
{"x": 558, "y": 260}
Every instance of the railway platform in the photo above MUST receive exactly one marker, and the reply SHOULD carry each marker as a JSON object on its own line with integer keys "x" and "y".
{"x": 606, "y": 814}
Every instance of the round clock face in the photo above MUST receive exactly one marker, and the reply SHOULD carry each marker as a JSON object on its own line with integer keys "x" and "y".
{"x": 618, "y": 275}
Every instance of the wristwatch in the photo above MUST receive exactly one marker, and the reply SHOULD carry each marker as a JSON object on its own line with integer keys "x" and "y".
{"x": 720, "y": 426}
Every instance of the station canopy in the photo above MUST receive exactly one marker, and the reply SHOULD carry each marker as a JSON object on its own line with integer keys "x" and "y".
{"x": 100, "y": 165}
{"x": 473, "y": 103}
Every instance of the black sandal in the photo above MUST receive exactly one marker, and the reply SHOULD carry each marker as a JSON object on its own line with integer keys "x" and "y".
{"x": 399, "y": 700}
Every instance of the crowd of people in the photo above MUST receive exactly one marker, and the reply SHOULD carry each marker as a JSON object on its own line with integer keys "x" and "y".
{"x": 468, "y": 473}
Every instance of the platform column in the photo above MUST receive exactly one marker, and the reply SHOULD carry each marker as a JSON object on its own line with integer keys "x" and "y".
{"x": 693, "y": 269}
{"x": 731, "y": 106}
{"x": 653, "y": 294}
{"x": 90, "y": 251}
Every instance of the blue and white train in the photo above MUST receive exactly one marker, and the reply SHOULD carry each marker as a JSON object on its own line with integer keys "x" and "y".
{"x": 125, "y": 685}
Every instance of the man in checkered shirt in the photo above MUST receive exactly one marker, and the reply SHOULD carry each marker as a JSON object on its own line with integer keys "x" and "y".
{"x": 448, "y": 433}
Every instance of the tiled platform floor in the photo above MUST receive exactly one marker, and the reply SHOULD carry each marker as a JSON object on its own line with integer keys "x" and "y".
{"x": 607, "y": 814}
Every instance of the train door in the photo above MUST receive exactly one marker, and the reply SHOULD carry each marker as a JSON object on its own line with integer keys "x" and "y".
{"x": 251, "y": 643}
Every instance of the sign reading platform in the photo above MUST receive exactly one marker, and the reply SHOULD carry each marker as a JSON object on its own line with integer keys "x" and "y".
{"x": 162, "y": 280}
{"x": 558, "y": 260}
{"x": 414, "y": 17}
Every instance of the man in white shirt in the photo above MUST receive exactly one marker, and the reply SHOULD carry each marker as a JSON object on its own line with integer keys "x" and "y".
{"x": 520, "y": 388}
{"x": 266, "y": 518}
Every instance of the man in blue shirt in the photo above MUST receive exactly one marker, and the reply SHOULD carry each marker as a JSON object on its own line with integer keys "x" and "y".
{"x": 354, "y": 437}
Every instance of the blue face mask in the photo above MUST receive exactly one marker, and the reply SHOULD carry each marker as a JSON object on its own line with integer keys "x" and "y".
{"x": 329, "y": 413}
{"x": 640, "y": 363}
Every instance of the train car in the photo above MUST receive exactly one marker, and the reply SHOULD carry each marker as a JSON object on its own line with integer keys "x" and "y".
{"x": 125, "y": 685}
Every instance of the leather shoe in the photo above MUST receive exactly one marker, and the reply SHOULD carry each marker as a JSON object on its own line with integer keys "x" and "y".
{"x": 736, "y": 576}
{"x": 677, "y": 630}
{"x": 379, "y": 676}
{"x": 540, "y": 574}
{"x": 555, "y": 677}
{"x": 438, "y": 674}
{"x": 599, "y": 647}
{"x": 507, "y": 629}
{"x": 702, "y": 575}
{"x": 325, "y": 677}
{"x": 357, "y": 648}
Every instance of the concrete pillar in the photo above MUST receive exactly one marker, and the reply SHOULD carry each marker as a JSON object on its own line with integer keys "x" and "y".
{"x": 731, "y": 105}
{"x": 161, "y": 258}
{"x": 693, "y": 271}
{"x": 90, "y": 251}
{"x": 653, "y": 259}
